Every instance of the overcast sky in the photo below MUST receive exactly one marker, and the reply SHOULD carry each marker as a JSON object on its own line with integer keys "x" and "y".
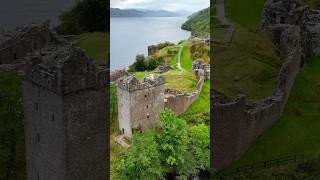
{"x": 171, "y": 5}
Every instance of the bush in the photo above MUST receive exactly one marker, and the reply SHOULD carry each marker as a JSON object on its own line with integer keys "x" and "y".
{"x": 142, "y": 64}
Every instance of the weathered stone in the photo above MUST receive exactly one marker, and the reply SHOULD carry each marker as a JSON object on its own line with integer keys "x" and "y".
{"x": 139, "y": 103}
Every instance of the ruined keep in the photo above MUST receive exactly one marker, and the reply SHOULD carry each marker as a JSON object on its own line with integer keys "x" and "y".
{"x": 237, "y": 122}
{"x": 279, "y": 13}
{"x": 139, "y": 103}
{"x": 65, "y": 109}
{"x": 16, "y": 45}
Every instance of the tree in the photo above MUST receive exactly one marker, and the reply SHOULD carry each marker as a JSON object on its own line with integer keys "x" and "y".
{"x": 142, "y": 159}
{"x": 85, "y": 16}
{"x": 152, "y": 63}
{"x": 140, "y": 63}
{"x": 199, "y": 146}
{"x": 173, "y": 141}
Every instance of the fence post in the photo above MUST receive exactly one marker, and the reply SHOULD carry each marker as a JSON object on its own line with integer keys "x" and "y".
{"x": 278, "y": 162}
{"x": 265, "y": 164}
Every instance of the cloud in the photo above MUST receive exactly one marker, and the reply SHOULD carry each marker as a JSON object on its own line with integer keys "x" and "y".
{"x": 171, "y": 5}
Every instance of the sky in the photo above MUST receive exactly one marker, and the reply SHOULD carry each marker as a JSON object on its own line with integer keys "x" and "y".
{"x": 170, "y": 5}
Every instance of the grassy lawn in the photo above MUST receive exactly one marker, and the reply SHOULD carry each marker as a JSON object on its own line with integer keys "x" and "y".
{"x": 249, "y": 65}
{"x": 186, "y": 61}
{"x": 96, "y": 45}
{"x": 202, "y": 104}
{"x": 180, "y": 80}
{"x": 246, "y": 13}
{"x": 299, "y": 126}
{"x": 141, "y": 75}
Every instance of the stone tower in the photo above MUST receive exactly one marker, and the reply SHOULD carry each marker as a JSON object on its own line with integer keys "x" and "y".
{"x": 139, "y": 103}
{"x": 65, "y": 108}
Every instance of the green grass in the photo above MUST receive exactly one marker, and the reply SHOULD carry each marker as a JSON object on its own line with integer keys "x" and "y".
{"x": 246, "y": 13}
{"x": 96, "y": 45}
{"x": 141, "y": 75}
{"x": 249, "y": 65}
{"x": 202, "y": 104}
{"x": 180, "y": 80}
{"x": 297, "y": 132}
{"x": 186, "y": 61}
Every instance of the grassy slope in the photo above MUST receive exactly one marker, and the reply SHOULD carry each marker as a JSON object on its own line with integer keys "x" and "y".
{"x": 247, "y": 13}
{"x": 96, "y": 45}
{"x": 299, "y": 126}
{"x": 202, "y": 104}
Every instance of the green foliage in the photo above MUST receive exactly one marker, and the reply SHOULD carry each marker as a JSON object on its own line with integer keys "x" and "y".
{"x": 173, "y": 140}
{"x": 113, "y": 101}
{"x": 200, "y": 146}
{"x": 198, "y": 23}
{"x": 196, "y": 118}
{"x": 144, "y": 64}
{"x": 86, "y": 16}
{"x": 141, "y": 160}
{"x": 12, "y": 162}
{"x": 173, "y": 148}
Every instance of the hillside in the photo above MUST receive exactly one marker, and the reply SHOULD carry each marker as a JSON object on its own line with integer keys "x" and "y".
{"x": 116, "y": 12}
{"x": 199, "y": 22}
{"x": 250, "y": 63}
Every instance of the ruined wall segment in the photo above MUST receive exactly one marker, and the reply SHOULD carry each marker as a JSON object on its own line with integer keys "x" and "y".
{"x": 65, "y": 104}
{"x": 237, "y": 122}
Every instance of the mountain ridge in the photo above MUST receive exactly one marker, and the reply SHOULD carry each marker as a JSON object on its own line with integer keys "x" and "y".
{"x": 117, "y": 12}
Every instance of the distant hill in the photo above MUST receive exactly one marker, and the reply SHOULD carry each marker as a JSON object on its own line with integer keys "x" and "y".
{"x": 198, "y": 22}
{"x": 115, "y": 12}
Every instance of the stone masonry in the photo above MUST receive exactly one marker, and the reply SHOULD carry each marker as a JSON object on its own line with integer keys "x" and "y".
{"x": 237, "y": 122}
{"x": 65, "y": 109}
{"x": 139, "y": 103}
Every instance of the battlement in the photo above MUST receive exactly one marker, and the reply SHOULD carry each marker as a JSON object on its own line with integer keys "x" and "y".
{"x": 64, "y": 70}
{"x": 131, "y": 83}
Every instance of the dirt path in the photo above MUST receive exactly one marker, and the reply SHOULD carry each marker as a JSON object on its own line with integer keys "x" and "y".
{"x": 221, "y": 13}
{"x": 179, "y": 58}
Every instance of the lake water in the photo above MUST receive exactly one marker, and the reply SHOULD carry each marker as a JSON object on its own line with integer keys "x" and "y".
{"x": 132, "y": 36}
{"x": 21, "y": 12}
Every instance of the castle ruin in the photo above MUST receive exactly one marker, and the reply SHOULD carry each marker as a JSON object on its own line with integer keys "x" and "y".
{"x": 65, "y": 110}
{"x": 139, "y": 103}
{"x": 237, "y": 122}
{"x": 65, "y": 104}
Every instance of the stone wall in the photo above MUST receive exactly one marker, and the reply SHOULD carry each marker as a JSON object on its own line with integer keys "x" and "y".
{"x": 117, "y": 74}
{"x": 180, "y": 102}
{"x": 237, "y": 122}
{"x": 295, "y": 12}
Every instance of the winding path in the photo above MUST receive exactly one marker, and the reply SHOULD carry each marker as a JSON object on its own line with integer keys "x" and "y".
{"x": 221, "y": 15}
{"x": 179, "y": 58}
